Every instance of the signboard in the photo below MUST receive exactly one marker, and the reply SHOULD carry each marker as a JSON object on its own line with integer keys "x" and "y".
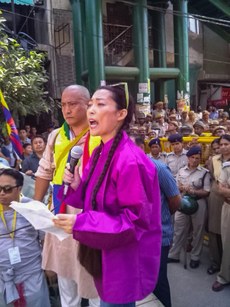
{"x": 143, "y": 95}
{"x": 143, "y": 88}
{"x": 226, "y": 93}
{"x": 219, "y": 104}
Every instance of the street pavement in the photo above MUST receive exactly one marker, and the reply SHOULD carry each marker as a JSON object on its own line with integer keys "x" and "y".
{"x": 191, "y": 287}
{"x": 150, "y": 301}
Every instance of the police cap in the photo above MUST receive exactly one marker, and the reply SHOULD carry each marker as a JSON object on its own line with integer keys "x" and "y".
{"x": 195, "y": 150}
{"x": 155, "y": 141}
{"x": 173, "y": 138}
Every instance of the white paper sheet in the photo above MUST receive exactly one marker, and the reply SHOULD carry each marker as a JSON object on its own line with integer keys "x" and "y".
{"x": 39, "y": 216}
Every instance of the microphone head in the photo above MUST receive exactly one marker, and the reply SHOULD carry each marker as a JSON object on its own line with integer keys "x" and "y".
{"x": 76, "y": 152}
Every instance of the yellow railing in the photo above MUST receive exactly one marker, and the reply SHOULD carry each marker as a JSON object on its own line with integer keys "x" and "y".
{"x": 165, "y": 145}
{"x": 204, "y": 141}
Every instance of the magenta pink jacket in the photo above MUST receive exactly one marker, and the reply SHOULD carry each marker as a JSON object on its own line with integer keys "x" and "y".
{"x": 126, "y": 225}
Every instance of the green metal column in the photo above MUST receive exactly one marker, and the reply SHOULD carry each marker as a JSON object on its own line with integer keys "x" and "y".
{"x": 83, "y": 23}
{"x": 159, "y": 47}
{"x": 141, "y": 46}
{"x": 94, "y": 43}
{"x": 140, "y": 39}
{"x": 78, "y": 39}
{"x": 181, "y": 45}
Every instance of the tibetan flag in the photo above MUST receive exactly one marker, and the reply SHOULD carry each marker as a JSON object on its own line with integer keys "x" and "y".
{"x": 11, "y": 127}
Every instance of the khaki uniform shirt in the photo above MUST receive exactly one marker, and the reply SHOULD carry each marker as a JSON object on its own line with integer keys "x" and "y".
{"x": 224, "y": 177}
{"x": 161, "y": 157}
{"x": 196, "y": 179}
{"x": 176, "y": 162}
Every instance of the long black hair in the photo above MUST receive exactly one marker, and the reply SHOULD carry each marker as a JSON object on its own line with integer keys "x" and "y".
{"x": 224, "y": 137}
{"x": 123, "y": 101}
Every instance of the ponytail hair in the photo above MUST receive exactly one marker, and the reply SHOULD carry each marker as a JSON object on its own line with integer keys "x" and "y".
{"x": 90, "y": 258}
{"x": 115, "y": 144}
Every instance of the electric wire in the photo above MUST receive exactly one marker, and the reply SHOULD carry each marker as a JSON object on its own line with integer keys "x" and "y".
{"x": 202, "y": 18}
{"x": 150, "y": 7}
{"x": 173, "y": 53}
{"x": 168, "y": 11}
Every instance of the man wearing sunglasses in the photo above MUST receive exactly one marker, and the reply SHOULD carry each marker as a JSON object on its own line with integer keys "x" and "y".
{"x": 22, "y": 281}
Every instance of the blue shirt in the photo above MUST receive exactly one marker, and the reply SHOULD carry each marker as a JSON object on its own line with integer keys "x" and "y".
{"x": 214, "y": 115}
{"x": 30, "y": 163}
{"x": 168, "y": 188}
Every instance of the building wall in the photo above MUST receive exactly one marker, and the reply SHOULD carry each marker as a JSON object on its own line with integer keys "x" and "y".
{"x": 206, "y": 50}
{"x": 216, "y": 55}
{"x": 41, "y": 25}
{"x": 62, "y": 41}
{"x": 61, "y": 4}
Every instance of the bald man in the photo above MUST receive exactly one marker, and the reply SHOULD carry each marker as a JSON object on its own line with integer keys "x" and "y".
{"x": 61, "y": 257}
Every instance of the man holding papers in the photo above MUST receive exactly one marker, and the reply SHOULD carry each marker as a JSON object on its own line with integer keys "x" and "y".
{"x": 22, "y": 281}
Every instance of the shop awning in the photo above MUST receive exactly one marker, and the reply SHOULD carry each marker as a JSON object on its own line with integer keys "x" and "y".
{"x": 22, "y": 2}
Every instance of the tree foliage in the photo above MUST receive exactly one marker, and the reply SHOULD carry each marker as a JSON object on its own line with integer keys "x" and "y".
{"x": 22, "y": 77}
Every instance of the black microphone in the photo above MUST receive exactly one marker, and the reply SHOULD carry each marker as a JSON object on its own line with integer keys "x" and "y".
{"x": 75, "y": 154}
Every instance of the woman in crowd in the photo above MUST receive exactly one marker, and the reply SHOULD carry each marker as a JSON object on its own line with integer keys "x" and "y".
{"x": 223, "y": 277}
{"x": 215, "y": 203}
{"x": 214, "y": 149}
{"x": 119, "y": 229}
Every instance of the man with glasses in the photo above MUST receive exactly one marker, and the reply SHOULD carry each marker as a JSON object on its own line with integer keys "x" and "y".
{"x": 61, "y": 257}
{"x": 22, "y": 281}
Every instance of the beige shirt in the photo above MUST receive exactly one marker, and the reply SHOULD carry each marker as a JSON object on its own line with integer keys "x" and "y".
{"x": 224, "y": 177}
{"x": 61, "y": 257}
{"x": 176, "y": 162}
{"x": 196, "y": 179}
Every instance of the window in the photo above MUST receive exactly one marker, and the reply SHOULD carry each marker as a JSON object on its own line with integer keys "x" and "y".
{"x": 193, "y": 25}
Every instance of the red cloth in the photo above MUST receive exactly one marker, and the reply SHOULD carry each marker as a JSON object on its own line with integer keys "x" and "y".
{"x": 21, "y": 302}
{"x": 86, "y": 153}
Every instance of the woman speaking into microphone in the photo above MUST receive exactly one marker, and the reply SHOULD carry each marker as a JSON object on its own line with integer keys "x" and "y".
{"x": 119, "y": 229}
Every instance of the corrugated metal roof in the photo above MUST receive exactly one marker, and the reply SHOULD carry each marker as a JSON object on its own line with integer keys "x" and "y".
{"x": 22, "y": 2}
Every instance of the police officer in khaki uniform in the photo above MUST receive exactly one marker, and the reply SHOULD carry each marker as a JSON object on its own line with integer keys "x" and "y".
{"x": 223, "y": 277}
{"x": 159, "y": 109}
{"x": 155, "y": 150}
{"x": 177, "y": 158}
{"x": 192, "y": 180}
{"x": 199, "y": 127}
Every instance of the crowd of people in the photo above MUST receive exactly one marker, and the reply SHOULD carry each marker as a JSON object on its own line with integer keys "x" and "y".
{"x": 124, "y": 204}
{"x": 175, "y": 139}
